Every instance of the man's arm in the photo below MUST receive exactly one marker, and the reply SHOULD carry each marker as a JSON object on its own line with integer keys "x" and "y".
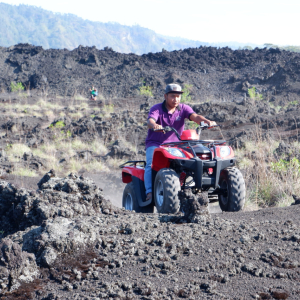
{"x": 198, "y": 119}
{"x": 151, "y": 123}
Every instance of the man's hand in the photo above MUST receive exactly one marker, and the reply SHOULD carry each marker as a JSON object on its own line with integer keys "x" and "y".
{"x": 211, "y": 123}
{"x": 152, "y": 124}
{"x": 157, "y": 126}
{"x": 198, "y": 119}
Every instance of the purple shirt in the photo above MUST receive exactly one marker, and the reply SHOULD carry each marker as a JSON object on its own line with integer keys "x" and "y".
{"x": 160, "y": 114}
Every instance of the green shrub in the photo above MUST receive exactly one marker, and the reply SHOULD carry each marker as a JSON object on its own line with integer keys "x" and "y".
{"x": 293, "y": 102}
{"x": 58, "y": 124}
{"x": 283, "y": 166}
{"x": 146, "y": 90}
{"x": 16, "y": 87}
{"x": 254, "y": 95}
{"x": 68, "y": 134}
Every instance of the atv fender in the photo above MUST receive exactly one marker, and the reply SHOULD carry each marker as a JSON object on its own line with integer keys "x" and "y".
{"x": 136, "y": 176}
{"x": 129, "y": 171}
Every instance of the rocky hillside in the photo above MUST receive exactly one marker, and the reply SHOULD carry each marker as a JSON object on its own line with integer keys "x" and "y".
{"x": 214, "y": 74}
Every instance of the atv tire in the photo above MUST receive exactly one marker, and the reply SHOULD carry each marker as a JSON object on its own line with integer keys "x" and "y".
{"x": 232, "y": 181}
{"x": 130, "y": 201}
{"x": 166, "y": 188}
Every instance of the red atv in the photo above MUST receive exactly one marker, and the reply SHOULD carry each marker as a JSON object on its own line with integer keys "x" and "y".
{"x": 190, "y": 163}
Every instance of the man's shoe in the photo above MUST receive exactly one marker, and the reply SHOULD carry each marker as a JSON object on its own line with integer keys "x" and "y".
{"x": 149, "y": 196}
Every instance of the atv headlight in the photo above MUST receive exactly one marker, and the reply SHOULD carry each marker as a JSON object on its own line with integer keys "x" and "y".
{"x": 224, "y": 151}
{"x": 175, "y": 152}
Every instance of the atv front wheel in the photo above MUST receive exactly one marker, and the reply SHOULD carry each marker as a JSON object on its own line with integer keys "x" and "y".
{"x": 233, "y": 189}
{"x": 166, "y": 188}
{"x": 130, "y": 201}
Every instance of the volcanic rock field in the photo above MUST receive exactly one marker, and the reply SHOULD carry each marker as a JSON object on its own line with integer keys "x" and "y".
{"x": 64, "y": 235}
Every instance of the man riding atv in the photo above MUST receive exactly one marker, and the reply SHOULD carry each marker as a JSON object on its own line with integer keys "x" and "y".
{"x": 170, "y": 113}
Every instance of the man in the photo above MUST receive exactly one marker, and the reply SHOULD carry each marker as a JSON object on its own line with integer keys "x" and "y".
{"x": 169, "y": 113}
{"x": 94, "y": 93}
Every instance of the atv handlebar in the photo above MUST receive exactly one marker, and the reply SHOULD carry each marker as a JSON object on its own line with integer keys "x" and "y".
{"x": 202, "y": 126}
{"x": 167, "y": 129}
{"x": 164, "y": 129}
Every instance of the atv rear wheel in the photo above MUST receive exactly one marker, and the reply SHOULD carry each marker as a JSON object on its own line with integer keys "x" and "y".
{"x": 130, "y": 201}
{"x": 166, "y": 188}
{"x": 233, "y": 185}
{"x": 129, "y": 198}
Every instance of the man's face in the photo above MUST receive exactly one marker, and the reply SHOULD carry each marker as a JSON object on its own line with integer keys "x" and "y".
{"x": 172, "y": 99}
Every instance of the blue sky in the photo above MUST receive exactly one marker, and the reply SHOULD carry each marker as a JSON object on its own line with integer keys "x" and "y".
{"x": 255, "y": 21}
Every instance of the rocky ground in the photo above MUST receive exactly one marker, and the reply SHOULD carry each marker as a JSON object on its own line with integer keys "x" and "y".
{"x": 66, "y": 241}
{"x": 62, "y": 237}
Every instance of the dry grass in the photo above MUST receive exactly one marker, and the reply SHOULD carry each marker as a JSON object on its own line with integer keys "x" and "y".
{"x": 269, "y": 181}
{"x": 24, "y": 172}
{"x": 107, "y": 110}
{"x": 96, "y": 166}
{"x": 49, "y": 113}
{"x": 42, "y": 108}
{"x": 79, "y": 145}
{"x": 98, "y": 147}
{"x": 46, "y": 151}
{"x": 130, "y": 146}
{"x": 96, "y": 109}
{"x": 83, "y": 105}
{"x": 77, "y": 115}
{"x": 79, "y": 97}
{"x": 37, "y": 114}
{"x": 74, "y": 165}
{"x": 114, "y": 162}
{"x": 43, "y": 104}
{"x": 66, "y": 148}
{"x": 16, "y": 151}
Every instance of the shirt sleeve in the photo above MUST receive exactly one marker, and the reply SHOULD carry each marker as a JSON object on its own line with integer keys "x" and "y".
{"x": 153, "y": 113}
{"x": 188, "y": 111}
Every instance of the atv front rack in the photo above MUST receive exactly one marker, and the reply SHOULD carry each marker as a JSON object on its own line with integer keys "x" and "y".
{"x": 133, "y": 163}
{"x": 187, "y": 145}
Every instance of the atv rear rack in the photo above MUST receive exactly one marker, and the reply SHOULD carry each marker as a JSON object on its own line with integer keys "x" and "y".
{"x": 133, "y": 163}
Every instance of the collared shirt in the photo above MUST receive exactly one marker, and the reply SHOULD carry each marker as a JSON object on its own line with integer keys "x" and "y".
{"x": 163, "y": 117}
